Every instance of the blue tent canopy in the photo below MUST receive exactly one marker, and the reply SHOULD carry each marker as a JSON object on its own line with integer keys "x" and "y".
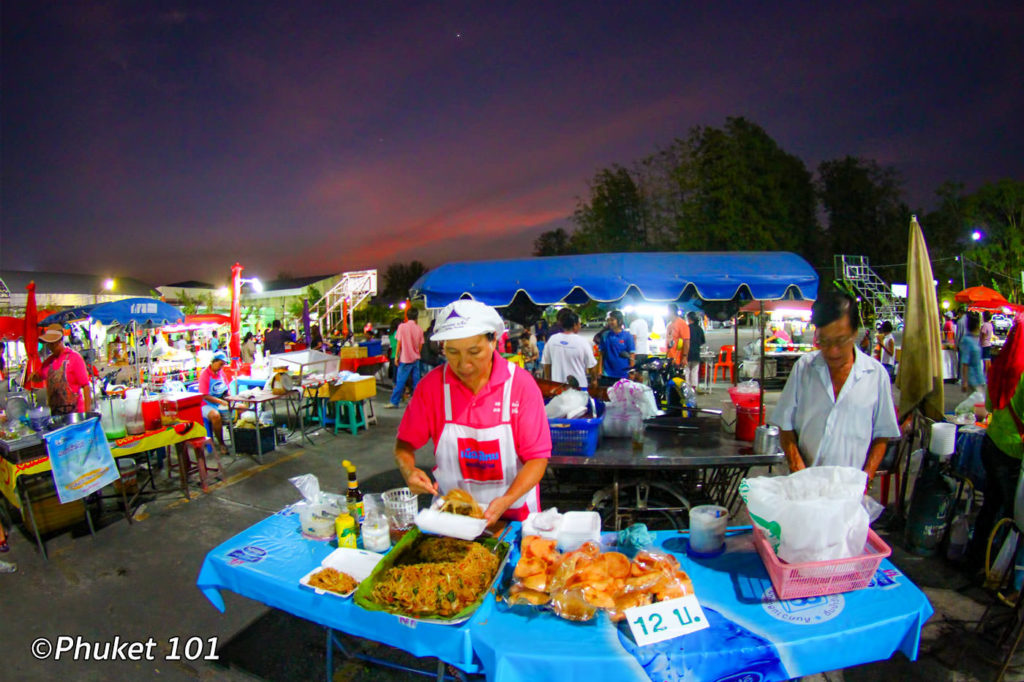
{"x": 142, "y": 311}
{"x": 607, "y": 277}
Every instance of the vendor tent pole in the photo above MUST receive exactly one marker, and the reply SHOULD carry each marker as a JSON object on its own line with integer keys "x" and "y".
{"x": 760, "y": 374}
{"x": 735, "y": 347}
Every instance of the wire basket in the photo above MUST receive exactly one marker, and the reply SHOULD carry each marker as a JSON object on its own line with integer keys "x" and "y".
{"x": 818, "y": 578}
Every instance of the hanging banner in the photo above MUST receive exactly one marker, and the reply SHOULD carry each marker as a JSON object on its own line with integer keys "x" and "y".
{"x": 81, "y": 460}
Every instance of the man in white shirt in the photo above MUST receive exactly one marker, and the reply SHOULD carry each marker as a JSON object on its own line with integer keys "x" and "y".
{"x": 836, "y": 408}
{"x": 641, "y": 332}
{"x": 566, "y": 354}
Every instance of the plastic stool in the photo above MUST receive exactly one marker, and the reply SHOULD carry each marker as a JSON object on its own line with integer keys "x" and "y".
{"x": 192, "y": 454}
{"x": 349, "y": 415}
{"x": 368, "y": 413}
{"x": 725, "y": 363}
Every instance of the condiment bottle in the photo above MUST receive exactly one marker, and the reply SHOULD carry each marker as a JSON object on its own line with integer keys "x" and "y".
{"x": 345, "y": 527}
{"x": 354, "y": 496}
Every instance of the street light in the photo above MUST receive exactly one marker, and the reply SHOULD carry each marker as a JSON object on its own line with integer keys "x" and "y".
{"x": 235, "y": 345}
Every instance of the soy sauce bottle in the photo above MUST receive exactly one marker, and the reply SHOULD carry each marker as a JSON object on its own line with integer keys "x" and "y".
{"x": 354, "y": 497}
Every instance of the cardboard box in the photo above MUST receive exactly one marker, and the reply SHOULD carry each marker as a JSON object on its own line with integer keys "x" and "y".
{"x": 355, "y": 391}
{"x": 352, "y": 352}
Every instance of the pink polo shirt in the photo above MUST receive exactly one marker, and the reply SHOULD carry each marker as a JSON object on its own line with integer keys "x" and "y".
{"x": 410, "y": 338}
{"x": 424, "y": 417}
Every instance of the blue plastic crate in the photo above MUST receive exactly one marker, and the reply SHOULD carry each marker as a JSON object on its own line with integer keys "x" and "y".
{"x": 373, "y": 348}
{"x": 576, "y": 437}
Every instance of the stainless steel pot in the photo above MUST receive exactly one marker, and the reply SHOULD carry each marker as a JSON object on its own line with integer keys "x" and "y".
{"x": 61, "y": 420}
{"x": 766, "y": 440}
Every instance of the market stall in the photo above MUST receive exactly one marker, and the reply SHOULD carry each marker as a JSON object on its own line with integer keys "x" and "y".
{"x": 719, "y": 283}
{"x": 751, "y": 634}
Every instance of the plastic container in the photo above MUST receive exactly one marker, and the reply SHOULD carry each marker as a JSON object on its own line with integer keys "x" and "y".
{"x": 151, "y": 414}
{"x": 943, "y": 439}
{"x": 373, "y": 348}
{"x": 744, "y": 399}
{"x": 317, "y": 523}
{"x": 129, "y": 480}
{"x": 577, "y": 528}
{"x": 345, "y": 528}
{"x": 576, "y": 437}
{"x": 728, "y": 416}
{"x": 818, "y": 578}
{"x": 112, "y": 418}
{"x": 400, "y": 507}
{"x": 38, "y": 418}
{"x": 707, "y": 530}
{"x": 747, "y": 420}
{"x": 980, "y": 413}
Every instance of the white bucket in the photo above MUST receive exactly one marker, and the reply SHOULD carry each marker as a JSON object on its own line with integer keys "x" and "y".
{"x": 943, "y": 439}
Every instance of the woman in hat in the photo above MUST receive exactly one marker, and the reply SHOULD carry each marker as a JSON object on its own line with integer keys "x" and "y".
{"x": 484, "y": 415}
{"x": 213, "y": 385}
{"x": 68, "y": 388}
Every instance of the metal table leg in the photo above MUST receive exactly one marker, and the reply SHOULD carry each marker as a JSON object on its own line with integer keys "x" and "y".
{"x": 26, "y": 505}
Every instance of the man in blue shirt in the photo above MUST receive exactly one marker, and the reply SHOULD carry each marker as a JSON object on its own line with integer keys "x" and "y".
{"x": 617, "y": 350}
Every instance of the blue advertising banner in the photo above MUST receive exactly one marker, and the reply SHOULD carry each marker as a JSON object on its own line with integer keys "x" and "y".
{"x": 81, "y": 460}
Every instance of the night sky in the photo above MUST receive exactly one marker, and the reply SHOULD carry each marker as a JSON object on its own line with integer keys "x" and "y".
{"x": 166, "y": 140}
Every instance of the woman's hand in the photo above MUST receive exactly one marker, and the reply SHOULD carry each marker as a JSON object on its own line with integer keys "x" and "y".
{"x": 496, "y": 508}
{"x": 419, "y": 482}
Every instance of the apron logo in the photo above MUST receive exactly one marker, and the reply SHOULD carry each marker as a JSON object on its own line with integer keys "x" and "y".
{"x": 480, "y": 460}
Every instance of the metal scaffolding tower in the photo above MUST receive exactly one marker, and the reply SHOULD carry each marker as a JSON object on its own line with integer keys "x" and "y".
{"x": 855, "y": 271}
{"x": 355, "y": 287}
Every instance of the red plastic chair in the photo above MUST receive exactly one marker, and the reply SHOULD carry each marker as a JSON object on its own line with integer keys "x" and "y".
{"x": 725, "y": 363}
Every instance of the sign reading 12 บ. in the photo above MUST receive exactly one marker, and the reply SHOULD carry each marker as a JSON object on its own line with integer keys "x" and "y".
{"x": 666, "y": 619}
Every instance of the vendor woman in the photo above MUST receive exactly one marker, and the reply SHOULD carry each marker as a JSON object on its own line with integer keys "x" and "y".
{"x": 68, "y": 388}
{"x": 213, "y": 385}
{"x": 484, "y": 415}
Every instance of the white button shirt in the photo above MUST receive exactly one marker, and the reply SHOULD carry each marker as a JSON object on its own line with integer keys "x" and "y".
{"x": 835, "y": 431}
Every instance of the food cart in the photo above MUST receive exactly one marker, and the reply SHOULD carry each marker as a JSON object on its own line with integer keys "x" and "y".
{"x": 620, "y": 478}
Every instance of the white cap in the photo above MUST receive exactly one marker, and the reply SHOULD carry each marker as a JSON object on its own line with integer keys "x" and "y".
{"x": 465, "y": 318}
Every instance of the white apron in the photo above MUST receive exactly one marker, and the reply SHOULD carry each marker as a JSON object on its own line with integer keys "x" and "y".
{"x": 481, "y": 461}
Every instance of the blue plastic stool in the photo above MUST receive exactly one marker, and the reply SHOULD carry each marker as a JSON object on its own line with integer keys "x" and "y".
{"x": 349, "y": 415}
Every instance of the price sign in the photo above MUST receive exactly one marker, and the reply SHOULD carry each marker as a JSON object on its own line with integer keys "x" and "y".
{"x": 666, "y": 619}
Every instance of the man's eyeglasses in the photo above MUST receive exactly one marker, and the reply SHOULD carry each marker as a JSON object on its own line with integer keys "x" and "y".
{"x": 834, "y": 343}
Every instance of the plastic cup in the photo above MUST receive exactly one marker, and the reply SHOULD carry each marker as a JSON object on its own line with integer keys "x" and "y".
{"x": 400, "y": 506}
{"x": 707, "y": 530}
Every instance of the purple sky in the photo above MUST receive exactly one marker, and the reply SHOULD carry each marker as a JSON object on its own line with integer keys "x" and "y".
{"x": 166, "y": 140}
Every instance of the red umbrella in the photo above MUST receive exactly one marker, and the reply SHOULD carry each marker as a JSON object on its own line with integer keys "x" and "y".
{"x": 12, "y": 328}
{"x": 33, "y": 362}
{"x": 981, "y": 297}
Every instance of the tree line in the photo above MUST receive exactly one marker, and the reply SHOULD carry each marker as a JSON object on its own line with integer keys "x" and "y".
{"x": 735, "y": 189}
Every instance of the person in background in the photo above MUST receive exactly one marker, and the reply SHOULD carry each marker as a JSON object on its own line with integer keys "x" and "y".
{"x": 948, "y": 328}
{"x": 528, "y": 351}
{"x": 430, "y": 354}
{"x": 836, "y": 408}
{"x": 274, "y": 339}
{"x": 409, "y": 338}
{"x": 693, "y": 356}
{"x": 248, "y": 350}
{"x": 641, "y": 338}
{"x": 985, "y": 337}
{"x": 3, "y": 361}
{"x": 214, "y": 341}
{"x": 885, "y": 348}
{"x": 68, "y": 388}
{"x": 566, "y": 355}
{"x": 5, "y": 566}
{"x": 972, "y": 372}
{"x": 677, "y": 333}
{"x": 618, "y": 353}
{"x": 393, "y": 348}
{"x": 213, "y": 386}
{"x": 316, "y": 341}
{"x": 1003, "y": 446}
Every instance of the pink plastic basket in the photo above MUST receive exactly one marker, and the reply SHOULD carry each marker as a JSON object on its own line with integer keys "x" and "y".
{"x": 818, "y": 578}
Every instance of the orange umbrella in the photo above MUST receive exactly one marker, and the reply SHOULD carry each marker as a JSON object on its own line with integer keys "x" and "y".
{"x": 33, "y": 363}
{"x": 982, "y": 297}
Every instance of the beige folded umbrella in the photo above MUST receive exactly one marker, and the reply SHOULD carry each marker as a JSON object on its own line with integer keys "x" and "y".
{"x": 920, "y": 373}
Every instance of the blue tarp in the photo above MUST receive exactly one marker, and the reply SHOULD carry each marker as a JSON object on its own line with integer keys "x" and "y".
{"x": 606, "y": 277}
{"x": 141, "y": 311}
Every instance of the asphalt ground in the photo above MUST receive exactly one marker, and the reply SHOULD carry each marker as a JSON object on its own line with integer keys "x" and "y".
{"x": 137, "y": 582}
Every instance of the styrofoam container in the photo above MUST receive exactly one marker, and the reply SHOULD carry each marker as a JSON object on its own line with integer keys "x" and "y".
{"x": 452, "y": 525}
{"x": 577, "y": 528}
{"x": 358, "y": 563}
{"x": 531, "y": 527}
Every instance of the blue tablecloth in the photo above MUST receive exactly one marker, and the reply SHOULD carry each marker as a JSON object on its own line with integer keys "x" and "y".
{"x": 750, "y": 631}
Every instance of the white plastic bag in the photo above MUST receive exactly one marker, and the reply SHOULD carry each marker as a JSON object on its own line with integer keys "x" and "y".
{"x": 967, "y": 404}
{"x": 637, "y": 395}
{"x": 569, "y": 404}
{"x": 618, "y": 420}
{"x": 815, "y": 514}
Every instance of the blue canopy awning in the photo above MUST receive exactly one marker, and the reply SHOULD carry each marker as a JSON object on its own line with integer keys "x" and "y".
{"x": 607, "y": 277}
{"x": 142, "y": 311}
